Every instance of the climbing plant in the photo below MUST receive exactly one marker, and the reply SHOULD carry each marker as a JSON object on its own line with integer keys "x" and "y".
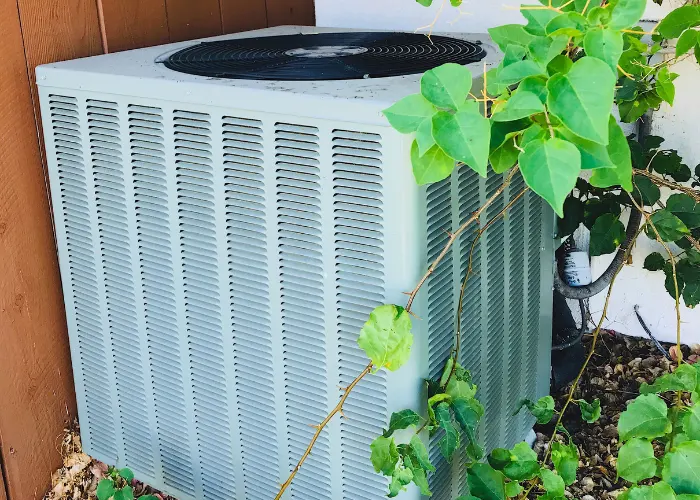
{"x": 546, "y": 113}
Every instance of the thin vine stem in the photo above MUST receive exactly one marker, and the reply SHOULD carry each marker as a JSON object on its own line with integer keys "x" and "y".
{"x": 595, "y": 335}
{"x": 319, "y": 428}
{"x": 458, "y": 330}
{"x": 453, "y": 236}
{"x": 693, "y": 193}
{"x": 411, "y": 297}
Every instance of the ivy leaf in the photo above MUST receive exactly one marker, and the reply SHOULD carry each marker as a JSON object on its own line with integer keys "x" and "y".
{"x": 425, "y": 3}
{"x": 504, "y": 157}
{"x": 523, "y": 464}
{"x": 424, "y": 136}
{"x": 386, "y": 337}
{"x": 618, "y": 150}
{"x": 607, "y": 234}
{"x": 691, "y": 295}
{"x": 627, "y": 13}
{"x": 659, "y": 491}
{"x": 684, "y": 207}
{"x": 573, "y": 217}
{"x": 681, "y": 468}
{"x": 537, "y": 19}
{"x": 126, "y": 474}
{"x": 678, "y": 21}
{"x": 486, "y": 483}
{"x": 691, "y": 422}
{"x": 560, "y": 64}
{"x": 384, "y": 455}
{"x": 594, "y": 208}
{"x": 551, "y": 167}
{"x": 535, "y": 85}
{"x": 510, "y": 34}
{"x": 542, "y": 410}
{"x": 570, "y": 24}
{"x": 669, "y": 227}
{"x": 409, "y": 113}
{"x": 459, "y": 389}
{"x": 402, "y": 420}
{"x": 420, "y": 478}
{"x": 590, "y": 412}
{"x": 499, "y": 458}
{"x": 105, "y": 489}
{"x": 565, "y": 460}
{"x": 582, "y": 99}
{"x": 646, "y": 192}
{"x": 447, "y": 86}
{"x": 399, "y": 479}
{"x": 513, "y": 489}
{"x": 465, "y": 136}
{"x": 433, "y": 166}
{"x": 683, "y": 378}
{"x": 552, "y": 482}
{"x": 521, "y": 105}
{"x": 126, "y": 493}
{"x": 605, "y": 44}
{"x": 450, "y": 441}
{"x": 687, "y": 41}
{"x": 654, "y": 262}
{"x": 645, "y": 417}
{"x": 631, "y": 111}
{"x": 543, "y": 49}
{"x": 665, "y": 86}
{"x": 468, "y": 413}
{"x": 421, "y": 453}
{"x": 636, "y": 460}
{"x": 518, "y": 71}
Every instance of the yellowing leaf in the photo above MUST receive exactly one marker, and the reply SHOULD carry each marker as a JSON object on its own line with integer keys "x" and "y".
{"x": 386, "y": 337}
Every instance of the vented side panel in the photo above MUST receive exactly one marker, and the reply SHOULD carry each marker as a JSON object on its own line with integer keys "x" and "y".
{"x": 81, "y": 287}
{"x": 297, "y": 161}
{"x": 146, "y": 139}
{"x": 358, "y": 217}
{"x": 108, "y": 178}
{"x": 250, "y": 305}
{"x": 218, "y": 266}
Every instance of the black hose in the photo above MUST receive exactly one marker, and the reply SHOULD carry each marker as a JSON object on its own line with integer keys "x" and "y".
{"x": 603, "y": 281}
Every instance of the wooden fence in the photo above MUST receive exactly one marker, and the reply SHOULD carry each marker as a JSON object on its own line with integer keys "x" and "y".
{"x": 36, "y": 384}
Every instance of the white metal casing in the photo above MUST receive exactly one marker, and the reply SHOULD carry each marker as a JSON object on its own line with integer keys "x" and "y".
{"x": 222, "y": 242}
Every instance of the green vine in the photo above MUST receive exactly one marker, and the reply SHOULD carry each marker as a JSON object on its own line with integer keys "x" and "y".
{"x": 117, "y": 486}
{"x": 546, "y": 113}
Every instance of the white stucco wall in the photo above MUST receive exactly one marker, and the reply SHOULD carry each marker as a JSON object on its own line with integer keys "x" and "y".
{"x": 680, "y": 126}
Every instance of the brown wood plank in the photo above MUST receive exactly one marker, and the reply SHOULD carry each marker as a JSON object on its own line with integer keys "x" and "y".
{"x": 131, "y": 24}
{"x": 243, "y": 15}
{"x": 298, "y": 12}
{"x": 190, "y": 19}
{"x": 35, "y": 381}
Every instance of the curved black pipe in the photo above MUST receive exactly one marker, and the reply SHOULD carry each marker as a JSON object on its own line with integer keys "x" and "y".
{"x": 600, "y": 284}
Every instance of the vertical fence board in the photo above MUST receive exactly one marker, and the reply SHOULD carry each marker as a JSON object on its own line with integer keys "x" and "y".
{"x": 188, "y": 19}
{"x": 35, "y": 381}
{"x": 131, "y": 24}
{"x": 242, "y": 15}
{"x": 300, "y": 12}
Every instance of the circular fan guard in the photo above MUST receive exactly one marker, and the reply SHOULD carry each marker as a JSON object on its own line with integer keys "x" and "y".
{"x": 323, "y": 56}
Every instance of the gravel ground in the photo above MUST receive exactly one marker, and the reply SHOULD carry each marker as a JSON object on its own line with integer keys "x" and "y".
{"x": 617, "y": 369}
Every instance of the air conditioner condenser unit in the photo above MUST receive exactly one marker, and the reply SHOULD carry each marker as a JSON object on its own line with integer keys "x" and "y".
{"x": 224, "y": 231}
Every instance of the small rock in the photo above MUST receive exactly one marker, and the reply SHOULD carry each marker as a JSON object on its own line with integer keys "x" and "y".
{"x": 635, "y": 363}
{"x": 695, "y": 349}
{"x": 610, "y": 431}
{"x": 650, "y": 362}
{"x": 587, "y": 484}
{"x": 587, "y": 497}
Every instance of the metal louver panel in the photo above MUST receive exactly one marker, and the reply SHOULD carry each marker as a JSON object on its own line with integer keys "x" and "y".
{"x": 358, "y": 217}
{"x": 218, "y": 265}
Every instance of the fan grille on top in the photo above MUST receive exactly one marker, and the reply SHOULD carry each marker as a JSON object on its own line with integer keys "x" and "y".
{"x": 323, "y": 56}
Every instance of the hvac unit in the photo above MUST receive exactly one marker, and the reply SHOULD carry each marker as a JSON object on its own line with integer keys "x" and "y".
{"x": 226, "y": 220}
